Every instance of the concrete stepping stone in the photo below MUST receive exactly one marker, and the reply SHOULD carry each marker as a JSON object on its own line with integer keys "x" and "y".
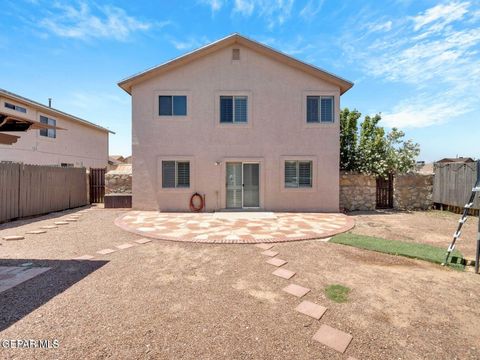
{"x": 84, "y": 257}
{"x": 13, "y": 237}
{"x": 143, "y": 241}
{"x": 61, "y": 222}
{"x": 333, "y": 338}
{"x": 35, "y": 232}
{"x": 49, "y": 227}
{"x": 276, "y": 262}
{"x": 124, "y": 246}
{"x": 296, "y": 290}
{"x": 311, "y": 309}
{"x": 105, "y": 251}
{"x": 270, "y": 253}
{"x": 284, "y": 273}
{"x": 264, "y": 246}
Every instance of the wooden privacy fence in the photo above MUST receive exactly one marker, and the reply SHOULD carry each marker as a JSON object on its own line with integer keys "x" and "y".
{"x": 27, "y": 190}
{"x": 453, "y": 184}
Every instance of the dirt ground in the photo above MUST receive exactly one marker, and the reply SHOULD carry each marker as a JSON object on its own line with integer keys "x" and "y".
{"x": 430, "y": 227}
{"x": 165, "y": 300}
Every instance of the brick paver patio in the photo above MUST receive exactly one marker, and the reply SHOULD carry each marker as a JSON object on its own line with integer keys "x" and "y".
{"x": 237, "y": 228}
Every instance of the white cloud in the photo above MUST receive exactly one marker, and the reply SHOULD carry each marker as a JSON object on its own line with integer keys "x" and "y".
{"x": 436, "y": 53}
{"x": 189, "y": 43}
{"x": 244, "y": 7}
{"x": 215, "y": 5}
{"x": 441, "y": 15}
{"x": 275, "y": 12}
{"x": 383, "y": 26}
{"x": 425, "y": 110}
{"x": 311, "y": 9}
{"x": 84, "y": 23}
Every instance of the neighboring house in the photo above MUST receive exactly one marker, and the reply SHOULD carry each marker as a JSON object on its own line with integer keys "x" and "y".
{"x": 456, "y": 160}
{"x": 67, "y": 141}
{"x": 246, "y": 125}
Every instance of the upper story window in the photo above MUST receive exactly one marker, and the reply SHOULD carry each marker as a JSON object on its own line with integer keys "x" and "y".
{"x": 233, "y": 109}
{"x": 51, "y": 133}
{"x": 319, "y": 109}
{"x": 16, "y": 107}
{"x": 298, "y": 174}
{"x": 175, "y": 174}
{"x": 172, "y": 105}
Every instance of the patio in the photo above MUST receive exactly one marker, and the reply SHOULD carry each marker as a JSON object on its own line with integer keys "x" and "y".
{"x": 234, "y": 227}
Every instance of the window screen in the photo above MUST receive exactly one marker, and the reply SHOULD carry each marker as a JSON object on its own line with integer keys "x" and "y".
{"x": 172, "y": 105}
{"x": 175, "y": 174}
{"x": 233, "y": 109}
{"x": 51, "y": 133}
{"x": 319, "y": 109}
{"x": 298, "y": 174}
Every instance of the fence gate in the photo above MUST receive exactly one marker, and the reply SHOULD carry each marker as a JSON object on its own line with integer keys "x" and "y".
{"x": 385, "y": 192}
{"x": 97, "y": 185}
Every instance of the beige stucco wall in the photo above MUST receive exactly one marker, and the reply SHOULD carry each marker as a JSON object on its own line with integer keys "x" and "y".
{"x": 276, "y": 131}
{"x": 79, "y": 144}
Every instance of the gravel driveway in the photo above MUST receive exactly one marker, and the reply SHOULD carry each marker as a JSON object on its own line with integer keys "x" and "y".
{"x": 164, "y": 300}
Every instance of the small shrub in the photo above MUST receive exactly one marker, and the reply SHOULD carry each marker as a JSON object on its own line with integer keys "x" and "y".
{"x": 337, "y": 293}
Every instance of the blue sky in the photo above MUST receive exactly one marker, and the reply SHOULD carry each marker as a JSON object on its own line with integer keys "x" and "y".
{"x": 416, "y": 62}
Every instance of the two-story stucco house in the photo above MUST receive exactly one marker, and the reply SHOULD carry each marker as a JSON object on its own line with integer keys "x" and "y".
{"x": 245, "y": 125}
{"x": 69, "y": 140}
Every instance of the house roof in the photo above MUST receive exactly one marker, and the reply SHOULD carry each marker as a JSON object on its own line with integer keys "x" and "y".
{"x": 51, "y": 110}
{"x": 457, "y": 159}
{"x": 126, "y": 84}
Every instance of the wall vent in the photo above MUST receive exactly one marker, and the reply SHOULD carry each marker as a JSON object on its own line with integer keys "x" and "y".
{"x": 235, "y": 54}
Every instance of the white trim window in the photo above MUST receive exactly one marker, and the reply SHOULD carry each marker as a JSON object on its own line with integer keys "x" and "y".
{"x": 51, "y": 133}
{"x": 320, "y": 109}
{"x": 175, "y": 174}
{"x": 298, "y": 174}
{"x": 233, "y": 109}
{"x": 15, "y": 107}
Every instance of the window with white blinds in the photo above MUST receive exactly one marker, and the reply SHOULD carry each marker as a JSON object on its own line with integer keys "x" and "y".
{"x": 175, "y": 174}
{"x": 298, "y": 174}
{"x": 319, "y": 109}
{"x": 233, "y": 109}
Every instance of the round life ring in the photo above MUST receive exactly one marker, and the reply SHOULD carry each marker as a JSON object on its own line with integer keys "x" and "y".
{"x": 192, "y": 203}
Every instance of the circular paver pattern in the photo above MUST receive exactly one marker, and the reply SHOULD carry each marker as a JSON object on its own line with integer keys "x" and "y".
{"x": 237, "y": 228}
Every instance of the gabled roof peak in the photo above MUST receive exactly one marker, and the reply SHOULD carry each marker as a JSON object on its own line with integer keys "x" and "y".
{"x": 126, "y": 84}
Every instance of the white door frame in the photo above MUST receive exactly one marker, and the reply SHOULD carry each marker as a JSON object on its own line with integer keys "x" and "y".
{"x": 261, "y": 187}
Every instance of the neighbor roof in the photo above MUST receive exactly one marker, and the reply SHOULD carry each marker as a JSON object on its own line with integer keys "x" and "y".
{"x": 127, "y": 83}
{"x": 51, "y": 110}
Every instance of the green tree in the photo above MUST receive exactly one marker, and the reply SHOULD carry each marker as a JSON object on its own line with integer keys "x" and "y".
{"x": 373, "y": 151}
{"x": 348, "y": 138}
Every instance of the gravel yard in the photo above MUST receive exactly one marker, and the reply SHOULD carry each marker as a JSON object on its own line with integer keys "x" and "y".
{"x": 165, "y": 300}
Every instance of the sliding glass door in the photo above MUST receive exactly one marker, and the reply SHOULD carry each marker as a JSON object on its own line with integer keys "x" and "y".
{"x": 243, "y": 190}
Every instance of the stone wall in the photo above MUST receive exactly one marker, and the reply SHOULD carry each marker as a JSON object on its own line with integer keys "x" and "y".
{"x": 410, "y": 191}
{"x": 413, "y": 191}
{"x": 119, "y": 181}
{"x": 357, "y": 192}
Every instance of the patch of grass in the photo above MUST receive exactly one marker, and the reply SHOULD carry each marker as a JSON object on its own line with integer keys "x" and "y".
{"x": 337, "y": 293}
{"x": 401, "y": 248}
